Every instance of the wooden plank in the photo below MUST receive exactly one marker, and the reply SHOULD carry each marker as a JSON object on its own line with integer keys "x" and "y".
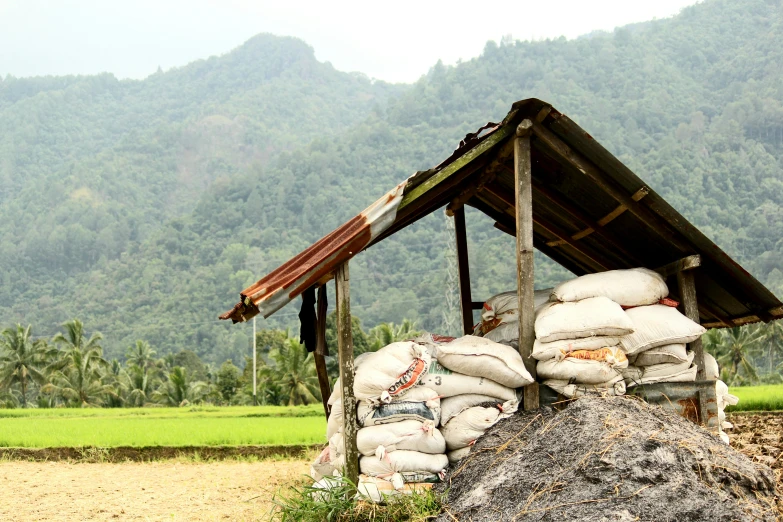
{"x": 503, "y": 228}
{"x": 321, "y": 350}
{"x": 477, "y": 305}
{"x": 523, "y": 178}
{"x": 464, "y": 270}
{"x": 345, "y": 350}
{"x": 687, "y": 288}
{"x": 681, "y": 265}
{"x": 488, "y": 143}
{"x": 587, "y": 220}
{"x": 597, "y": 225}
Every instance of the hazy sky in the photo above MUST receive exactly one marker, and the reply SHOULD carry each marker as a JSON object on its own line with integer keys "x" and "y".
{"x": 395, "y": 41}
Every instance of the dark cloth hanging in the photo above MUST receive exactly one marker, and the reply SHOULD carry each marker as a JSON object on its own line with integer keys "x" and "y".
{"x": 307, "y": 319}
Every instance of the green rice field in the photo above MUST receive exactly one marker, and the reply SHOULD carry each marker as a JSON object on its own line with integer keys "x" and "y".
{"x": 213, "y": 426}
{"x": 758, "y": 398}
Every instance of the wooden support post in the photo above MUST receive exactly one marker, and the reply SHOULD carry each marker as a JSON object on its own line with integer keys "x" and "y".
{"x": 321, "y": 350}
{"x": 345, "y": 349}
{"x": 687, "y": 290}
{"x": 465, "y": 300}
{"x": 523, "y": 174}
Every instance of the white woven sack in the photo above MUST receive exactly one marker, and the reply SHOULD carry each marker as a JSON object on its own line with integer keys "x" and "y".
{"x": 596, "y": 316}
{"x": 686, "y": 375}
{"x": 504, "y": 333}
{"x": 545, "y": 351}
{"x": 449, "y": 384}
{"x": 613, "y": 387}
{"x": 584, "y": 366}
{"x": 335, "y": 421}
{"x": 505, "y": 306}
{"x": 336, "y": 389}
{"x": 458, "y": 454}
{"x": 406, "y": 435}
{"x": 421, "y": 404}
{"x": 322, "y": 466}
{"x": 392, "y": 370}
{"x": 463, "y": 430}
{"x": 452, "y": 406}
{"x": 723, "y": 395}
{"x": 657, "y": 372}
{"x": 711, "y": 370}
{"x": 666, "y": 354}
{"x": 378, "y": 490}
{"x": 480, "y": 357}
{"x": 656, "y": 325}
{"x": 634, "y": 287}
{"x": 401, "y": 461}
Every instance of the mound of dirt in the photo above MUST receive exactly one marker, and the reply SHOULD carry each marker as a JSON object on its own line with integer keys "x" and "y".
{"x": 606, "y": 459}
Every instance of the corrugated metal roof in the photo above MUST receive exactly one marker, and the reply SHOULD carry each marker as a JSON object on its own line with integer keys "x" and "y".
{"x": 277, "y": 289}
{"x": 590, "y": 212}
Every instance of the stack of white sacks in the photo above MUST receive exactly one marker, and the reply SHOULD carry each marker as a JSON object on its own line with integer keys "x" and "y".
{"x": 421, "y": 404}
{"x": 603, "y": 332}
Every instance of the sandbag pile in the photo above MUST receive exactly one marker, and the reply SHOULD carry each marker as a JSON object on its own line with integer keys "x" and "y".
{"x": 500, "y": 319}
{"x": 417, "y": 400}
{"x": 723, "y": 397}
{"x": 577, "y": 348}
{"x": 657, "y": 347}
{"x": 601, "y": 333}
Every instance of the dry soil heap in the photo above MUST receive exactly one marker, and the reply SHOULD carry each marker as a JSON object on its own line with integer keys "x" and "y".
{"x": 606, "y": 459}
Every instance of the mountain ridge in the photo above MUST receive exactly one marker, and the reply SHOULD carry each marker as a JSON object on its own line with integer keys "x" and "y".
{"x": 692, "y": 110}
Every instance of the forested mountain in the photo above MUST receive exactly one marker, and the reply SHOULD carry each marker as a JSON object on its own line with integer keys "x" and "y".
{"x": 89, "y": 166}
{"x": 693, "y": 104}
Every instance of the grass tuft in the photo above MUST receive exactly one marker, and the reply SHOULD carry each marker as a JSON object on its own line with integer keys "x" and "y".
{"x": 306, "y": 503}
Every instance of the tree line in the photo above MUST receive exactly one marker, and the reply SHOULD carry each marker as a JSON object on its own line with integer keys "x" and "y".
{"x": 69, "y": 370}
{"x": 748, "y": 355}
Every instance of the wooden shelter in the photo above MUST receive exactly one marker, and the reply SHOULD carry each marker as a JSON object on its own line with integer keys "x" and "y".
{"x": 547, "y": 182}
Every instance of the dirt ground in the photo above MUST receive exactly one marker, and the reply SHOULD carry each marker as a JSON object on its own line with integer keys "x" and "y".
{"x": 227, "y": 490}
{"x": 760, "y": 437}
{"x": 143, "y": 491}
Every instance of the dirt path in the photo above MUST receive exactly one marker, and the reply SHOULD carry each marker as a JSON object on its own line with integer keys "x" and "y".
{"x": 143, "y": 491}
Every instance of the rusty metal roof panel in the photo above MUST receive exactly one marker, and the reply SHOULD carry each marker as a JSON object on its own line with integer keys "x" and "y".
{"x": 288, "y": 281}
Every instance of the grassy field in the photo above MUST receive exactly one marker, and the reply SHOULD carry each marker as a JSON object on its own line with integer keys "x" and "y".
{"x": 758, "y": 398}
{"x": 231, "y": 426}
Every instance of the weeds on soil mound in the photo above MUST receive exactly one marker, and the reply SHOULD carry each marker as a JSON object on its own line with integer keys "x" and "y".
{"x": 614, "y": 459}
{"x": 339, "y": 504}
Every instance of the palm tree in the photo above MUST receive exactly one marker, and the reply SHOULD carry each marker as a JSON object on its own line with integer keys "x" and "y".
{"x": 294, "y": 372}
{"x": 79, "y": 379}
{"x": 20, "y": 357}
{"x": 387, "y": 333}
{"x": 74, "y": 337}
{"x": 179, "y": 390}
{"x": 138, "y": 385}
{"x": 773, "y": 336}
{"x": 735, "y": 350}
{"x": 141, "y": 355}
{"x": 78, "y": 376}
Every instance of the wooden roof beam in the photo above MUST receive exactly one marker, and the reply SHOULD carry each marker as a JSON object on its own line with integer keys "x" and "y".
{"x": 587, "y": 220}
{"x": 681, "y": 265}
{"x": 597, "y": 262}
{"x": 581, "y": 164}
